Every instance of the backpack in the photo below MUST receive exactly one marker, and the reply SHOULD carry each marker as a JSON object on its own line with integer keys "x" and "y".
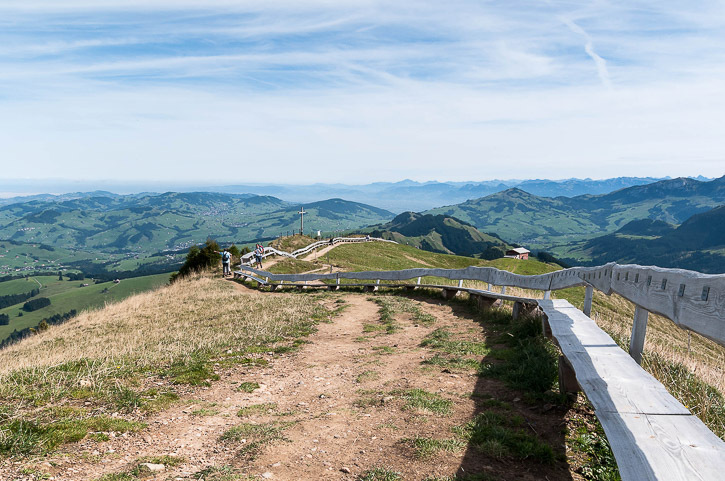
{"x": 225, "y": 256}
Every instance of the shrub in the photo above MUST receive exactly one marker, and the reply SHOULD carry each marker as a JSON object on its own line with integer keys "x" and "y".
{"x": 199, "y": 259}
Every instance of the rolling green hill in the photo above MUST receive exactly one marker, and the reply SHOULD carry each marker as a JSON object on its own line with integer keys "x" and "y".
{"x": 540, "y": 222}
{"x": 440, "y": 233}
{"x": 698, "y": 244}
{"x": 172, "y": 221}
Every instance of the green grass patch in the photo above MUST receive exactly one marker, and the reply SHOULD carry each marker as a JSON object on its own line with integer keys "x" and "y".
{"x": 23, "y": 437}
{"x": 453, "y": 363}
{"x": 256, "y": 409}
{"x": 292, "y": 266}
{"x": 380, "y": 474}
{"x": 391, "y": 305}
{"x": 257, "y": 436}
{"x": 442, "y": 340}
{"x": 529, "y": 363}
{"x": 247, "y": 386}
{"x": 220, "y": 473}
{"x": 502, "y": 437}
{"x": 428, "y": 447}
{"x": 426, "y": 401}
{"x": 195, "y": 371}
{"x": 464, "y": 477}
{"x": 384, "y": 349}
{"x": 590, "y": 442}
{"x": 386, "y": 314}
{"x": 367, "y": 376}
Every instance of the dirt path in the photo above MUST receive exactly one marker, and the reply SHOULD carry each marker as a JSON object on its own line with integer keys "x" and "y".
{"x": 332, "y": 410}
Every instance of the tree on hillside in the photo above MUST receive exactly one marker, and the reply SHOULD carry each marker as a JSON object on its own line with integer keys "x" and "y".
{"x": 198, "y": 259}
{"x": 60, "y": 275}
{"x": 35, "y": 304}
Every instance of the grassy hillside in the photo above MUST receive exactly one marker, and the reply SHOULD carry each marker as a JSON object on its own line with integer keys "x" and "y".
{"x": 67, "y": 295}
{"x": 18, "y": 258}
{"x": 540, "y": 222}
{"x": 698, "y": 244}
{"x": 439, "y": 233}
{"x": 174, "y": 221}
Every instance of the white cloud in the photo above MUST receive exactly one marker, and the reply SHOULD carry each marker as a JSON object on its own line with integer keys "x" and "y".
{"x": 363, "y": 90}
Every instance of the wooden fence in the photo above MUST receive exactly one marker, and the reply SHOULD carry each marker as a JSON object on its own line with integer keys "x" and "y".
{"x": 248, "y": 258}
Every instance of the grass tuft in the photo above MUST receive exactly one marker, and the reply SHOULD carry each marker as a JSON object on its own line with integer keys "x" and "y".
{"x": 500, "y": 437}
{"x": 248, "y": 386}
{"x": 427, "y": 447}
{"x": 380, "y": 474}
{"x": 426, "y": 401}
{"x": 256, "y": 409}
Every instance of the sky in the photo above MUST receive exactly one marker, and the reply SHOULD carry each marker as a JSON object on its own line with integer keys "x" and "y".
{"x": 356, "y": 91}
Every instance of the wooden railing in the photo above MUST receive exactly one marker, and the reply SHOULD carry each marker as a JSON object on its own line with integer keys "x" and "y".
{"x": 271, "y": 251}
{"x": 653, "y": 436}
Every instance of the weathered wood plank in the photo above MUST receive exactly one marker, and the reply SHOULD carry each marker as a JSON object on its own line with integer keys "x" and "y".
{"x": 653, "y": 436}
{"x": 690, "y": 299}
{"x": 588, "y": 297}
{"x": 612, "y": 380}
{"x": 663, "y": 447}
{"x": 639, "y": 331}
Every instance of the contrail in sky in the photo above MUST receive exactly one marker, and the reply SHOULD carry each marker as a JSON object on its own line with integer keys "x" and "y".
{"x": 589, "y": 48}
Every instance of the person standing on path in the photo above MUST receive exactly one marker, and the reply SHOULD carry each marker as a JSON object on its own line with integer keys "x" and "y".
{"x": 226, "y": 259}
{"x": 258, "y": 253}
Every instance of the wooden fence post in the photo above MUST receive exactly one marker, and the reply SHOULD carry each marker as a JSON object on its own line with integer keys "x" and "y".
{"x": 639, "y": 330}
{"x": 588, "y": 294}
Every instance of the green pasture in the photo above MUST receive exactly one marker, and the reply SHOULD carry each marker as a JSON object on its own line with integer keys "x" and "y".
{"x": 67, "y": 295}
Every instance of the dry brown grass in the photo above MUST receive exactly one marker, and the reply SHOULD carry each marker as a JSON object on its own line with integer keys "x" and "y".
{"x": 162, "y": 326}
{"x": 705, "y": 358}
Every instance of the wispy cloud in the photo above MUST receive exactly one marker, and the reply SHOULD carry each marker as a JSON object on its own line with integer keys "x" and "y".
{"x": 399, "y": 87}
{"x": 600, "y": 63}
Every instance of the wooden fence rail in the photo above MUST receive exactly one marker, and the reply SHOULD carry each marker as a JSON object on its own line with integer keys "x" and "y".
{"x": 247, "y": 259}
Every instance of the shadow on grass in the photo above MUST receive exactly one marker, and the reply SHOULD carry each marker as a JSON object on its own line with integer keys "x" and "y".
{"x": 518, "y": 429}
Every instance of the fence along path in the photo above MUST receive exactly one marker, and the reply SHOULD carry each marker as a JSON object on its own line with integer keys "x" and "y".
{"x": 653, "y": 436}
{"x": 248, "y": 258}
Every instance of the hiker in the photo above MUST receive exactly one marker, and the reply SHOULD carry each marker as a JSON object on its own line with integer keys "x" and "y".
{"x": 226, "y": 260}
{"x": 258, "y": 253}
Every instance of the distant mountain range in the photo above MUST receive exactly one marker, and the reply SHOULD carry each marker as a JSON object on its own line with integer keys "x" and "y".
{"x": 439, "y": 233}
{"x": 406, "y": 195}
{"x": 584, "y": 228}
{"x": 542, "y": 222}
{"x": 173, "y": 221}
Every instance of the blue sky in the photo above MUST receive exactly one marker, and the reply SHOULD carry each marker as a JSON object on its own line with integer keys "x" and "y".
{"x": 361, "y": 90}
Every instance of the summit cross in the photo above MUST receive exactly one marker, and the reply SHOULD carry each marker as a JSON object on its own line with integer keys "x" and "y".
{"x": 302, "y": 220}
